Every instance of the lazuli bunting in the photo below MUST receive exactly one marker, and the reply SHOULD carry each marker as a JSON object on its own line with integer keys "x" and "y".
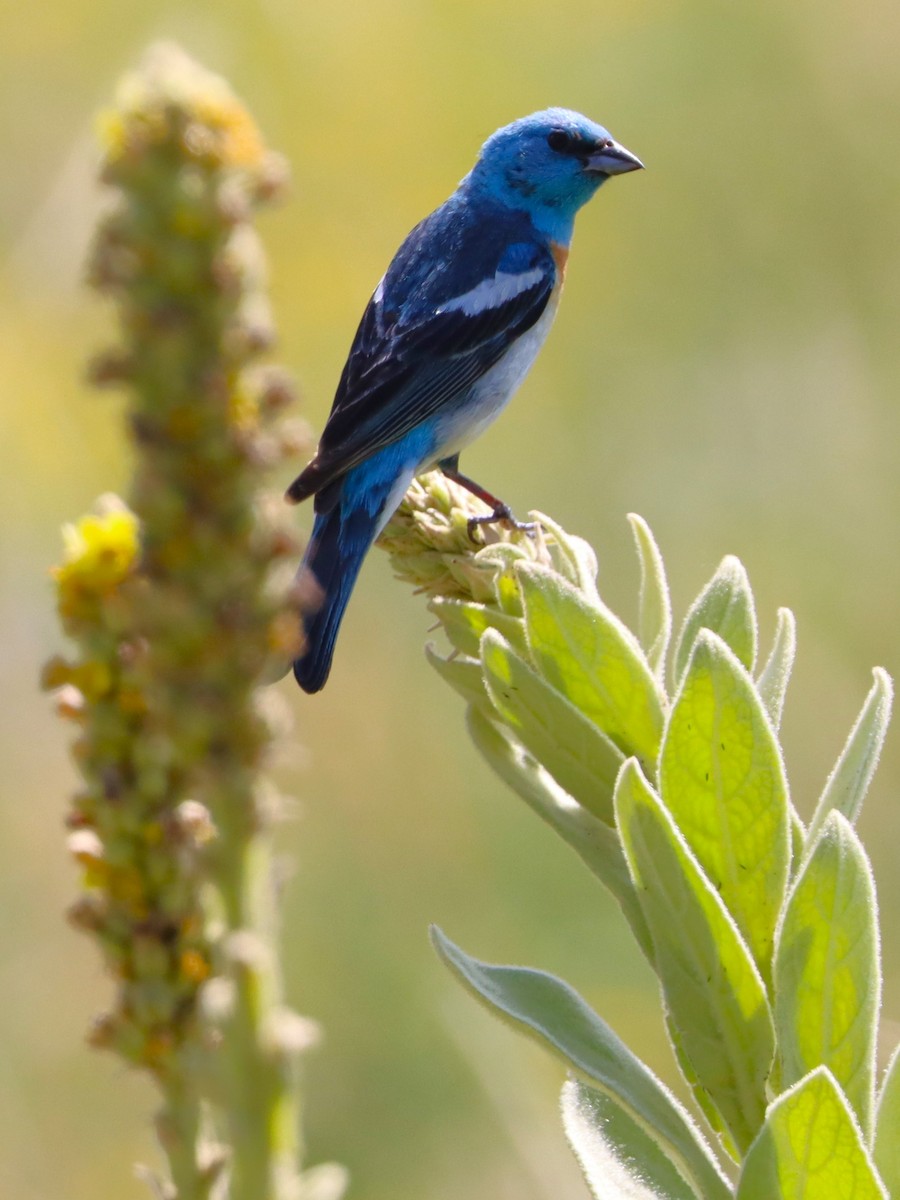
{"x": 448, "y": 335}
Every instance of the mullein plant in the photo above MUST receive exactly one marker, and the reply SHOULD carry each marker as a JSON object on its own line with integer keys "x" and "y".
{"x": 170, "y": 603}
{"x": 660, "y": 766}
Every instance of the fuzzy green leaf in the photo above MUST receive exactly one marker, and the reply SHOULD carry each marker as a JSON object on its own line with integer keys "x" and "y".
{"x": 654, "y": 606}
{"x": 464, "y": 622}
{"x": 504, "y": 558}
{"x": 798, "y": 839}
{"x": 619, "y": 1160}
{"x": 578, "y": 756}
{"x": 887, "y": 1127}
{"x": 776, "y": 674}
{"x": 463, "y": 674}
{"x": 588, "y": 655}
{"x": 573, "y": 556}
{"x": 713, "y": 990}
{"x": 827, "y": 972}
{"x": 701, "y": 1096}
{"x": 595, "y": 842}
{"x": 549, "y": 1010}
{"x": 726, "y": 607}
{"x": 810, "y": 1149}
{"x": 849, "y": 781}
{"x": 723, "y": 781}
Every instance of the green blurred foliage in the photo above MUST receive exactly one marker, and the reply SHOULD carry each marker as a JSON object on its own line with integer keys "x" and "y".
{"x": 725, "y": 363}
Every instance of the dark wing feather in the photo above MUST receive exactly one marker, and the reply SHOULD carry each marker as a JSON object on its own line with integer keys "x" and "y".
{"x": 421, "y": 365}
{"x": 415, "y": 348}
{"x": 397, "y": 377}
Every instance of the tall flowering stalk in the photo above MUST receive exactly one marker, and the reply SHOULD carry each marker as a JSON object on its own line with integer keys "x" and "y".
{"x": 170, "y": 603}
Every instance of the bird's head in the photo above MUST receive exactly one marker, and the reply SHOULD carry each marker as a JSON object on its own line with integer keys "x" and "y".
{"x": 549, "y": 164}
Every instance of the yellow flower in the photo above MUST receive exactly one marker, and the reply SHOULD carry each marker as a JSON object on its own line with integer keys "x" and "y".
{"x": 100, "y": 553}
{"x": 194, "y": 967}
{"x": 234, "y": 138}
{"x": 173, "y": 97}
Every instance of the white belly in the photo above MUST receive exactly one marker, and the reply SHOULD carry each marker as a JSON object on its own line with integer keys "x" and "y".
{"x": 494, "y": 389}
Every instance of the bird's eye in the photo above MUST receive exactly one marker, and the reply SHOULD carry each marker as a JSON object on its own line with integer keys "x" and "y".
{"x": 559, "y": 140}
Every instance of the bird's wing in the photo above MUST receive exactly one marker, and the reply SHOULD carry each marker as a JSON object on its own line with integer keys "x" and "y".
{"x": 407, "y": 362}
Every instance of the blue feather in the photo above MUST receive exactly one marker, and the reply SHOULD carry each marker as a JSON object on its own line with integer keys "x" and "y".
{"x": 347, "y": 524}
{"x": 335, "y": 573}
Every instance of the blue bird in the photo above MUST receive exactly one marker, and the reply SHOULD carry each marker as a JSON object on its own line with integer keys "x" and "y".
{"x": 448, "y": 335}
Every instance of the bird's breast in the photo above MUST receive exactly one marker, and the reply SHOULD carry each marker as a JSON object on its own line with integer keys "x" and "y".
{"x": 487, "y": 398}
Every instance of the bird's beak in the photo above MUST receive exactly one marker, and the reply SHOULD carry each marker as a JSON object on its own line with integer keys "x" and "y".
{"x": 613, "y": 159}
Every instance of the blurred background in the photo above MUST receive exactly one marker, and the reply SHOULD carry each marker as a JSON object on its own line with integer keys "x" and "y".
{"x": 726, "y": 362}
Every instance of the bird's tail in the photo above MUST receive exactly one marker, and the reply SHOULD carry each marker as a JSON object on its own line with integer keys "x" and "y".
{"x": 351, "y": 513}
{"x": 334, "y": 565}
{"x": 350, "y": 519}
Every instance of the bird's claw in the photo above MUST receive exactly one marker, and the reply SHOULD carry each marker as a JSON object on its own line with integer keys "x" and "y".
{"x": 501, "y": 513}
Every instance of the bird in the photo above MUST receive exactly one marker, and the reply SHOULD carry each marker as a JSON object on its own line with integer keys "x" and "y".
{"x": 447, "y": 337}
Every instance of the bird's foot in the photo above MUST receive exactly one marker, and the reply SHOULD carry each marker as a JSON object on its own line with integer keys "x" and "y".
{"x": 502, "y": 512}
{"x": 499, "y": 510}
